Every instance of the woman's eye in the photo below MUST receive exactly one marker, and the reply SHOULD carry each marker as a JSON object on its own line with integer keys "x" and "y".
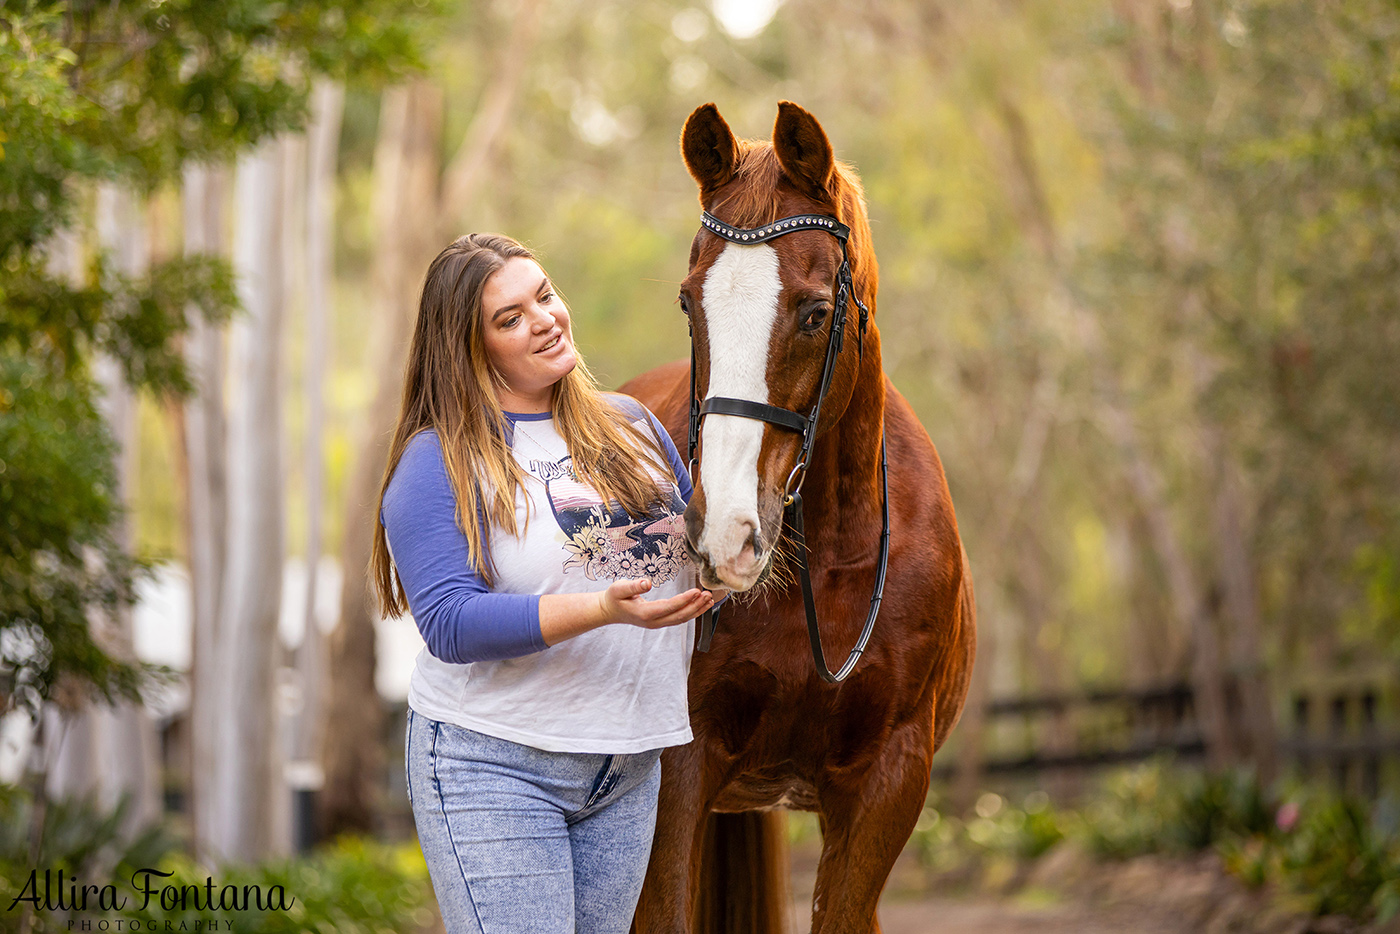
{"x": 546, "y": 298}
{"x": 511, "y": 322}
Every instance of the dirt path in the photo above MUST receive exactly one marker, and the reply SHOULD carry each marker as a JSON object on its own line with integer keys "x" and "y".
{"x": 986, "y": 916}
{"x": 1147, "y": 895}
{"x": 947, "y": 916}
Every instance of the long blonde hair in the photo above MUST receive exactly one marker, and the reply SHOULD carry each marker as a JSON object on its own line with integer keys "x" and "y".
{"x": 448, "y": 388}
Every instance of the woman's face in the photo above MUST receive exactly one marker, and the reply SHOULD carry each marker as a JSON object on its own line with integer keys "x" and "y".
{"x": 527, "y": 334}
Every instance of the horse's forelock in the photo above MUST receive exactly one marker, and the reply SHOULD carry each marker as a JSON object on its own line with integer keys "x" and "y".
{"x": 755, "y": 200}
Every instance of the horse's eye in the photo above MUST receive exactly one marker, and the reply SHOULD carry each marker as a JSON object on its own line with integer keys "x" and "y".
{"x": 813, "y": 316}
{"x": 685, "y": 304}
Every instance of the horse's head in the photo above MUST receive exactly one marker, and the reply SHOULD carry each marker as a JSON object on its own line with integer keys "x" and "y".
{"x": 761, "y": 317}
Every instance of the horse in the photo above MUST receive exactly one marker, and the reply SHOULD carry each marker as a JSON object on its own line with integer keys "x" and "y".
{"x": 769, "y": 732}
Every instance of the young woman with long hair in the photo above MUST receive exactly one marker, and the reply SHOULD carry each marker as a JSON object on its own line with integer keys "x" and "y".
{"x": 532, "y": 525}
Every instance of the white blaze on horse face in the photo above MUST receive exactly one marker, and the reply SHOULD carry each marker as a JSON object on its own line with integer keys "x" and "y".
{"x": 741, "y": 305}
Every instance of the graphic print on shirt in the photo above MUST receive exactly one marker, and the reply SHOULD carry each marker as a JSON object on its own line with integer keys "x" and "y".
{"x": 607, "y": 543}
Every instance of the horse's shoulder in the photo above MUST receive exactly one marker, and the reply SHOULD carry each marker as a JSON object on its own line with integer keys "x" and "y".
{"x": 663, "y": 390}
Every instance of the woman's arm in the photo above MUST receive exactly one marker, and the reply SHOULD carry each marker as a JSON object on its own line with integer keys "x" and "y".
{"x": 460, "y": 618}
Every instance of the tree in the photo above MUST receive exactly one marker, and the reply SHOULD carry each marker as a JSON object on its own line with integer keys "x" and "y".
{"x": 130, "y": 91}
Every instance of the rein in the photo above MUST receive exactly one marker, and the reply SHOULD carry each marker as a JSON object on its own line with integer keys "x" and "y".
{"x": 807, "y": 425}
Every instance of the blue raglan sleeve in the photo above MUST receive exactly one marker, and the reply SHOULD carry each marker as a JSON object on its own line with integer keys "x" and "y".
{"x": 678, "y": 466}
{"x": 460, "y": 618}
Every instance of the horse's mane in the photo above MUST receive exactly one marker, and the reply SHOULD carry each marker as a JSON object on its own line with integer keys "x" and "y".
{"x": 757, "y": 201}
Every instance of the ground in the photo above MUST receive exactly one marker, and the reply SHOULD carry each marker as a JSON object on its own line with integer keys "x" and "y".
{"x": 1069, "y": 893}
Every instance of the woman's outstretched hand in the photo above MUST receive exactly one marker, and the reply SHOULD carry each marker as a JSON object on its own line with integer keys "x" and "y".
{"x": 565, "y": 615}
{"x": 625, "y": 602}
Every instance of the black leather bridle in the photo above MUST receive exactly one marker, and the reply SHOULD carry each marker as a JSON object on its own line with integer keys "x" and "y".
{"x": 794, "y": 421}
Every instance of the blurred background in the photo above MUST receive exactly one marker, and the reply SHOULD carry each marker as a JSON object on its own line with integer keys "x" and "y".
{"x": 1139, "y": 266}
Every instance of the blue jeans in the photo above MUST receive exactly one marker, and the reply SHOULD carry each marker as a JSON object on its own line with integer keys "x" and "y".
{"x": 519, "y": 839}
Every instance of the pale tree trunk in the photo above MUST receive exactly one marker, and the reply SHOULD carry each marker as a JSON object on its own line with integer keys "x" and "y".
{"x": 323, "y": 137}
{"x": 292, "y": 173}
{"x": 1044, "y": 662}
{"x": 467, "y": 171}
{"x": 406, "y": 168}
{"x": 202, "y": 421}
{"x": 120, "y": 760}
{"x": 1237, "y": 575}
{"x": 1116, "y": 418}
{"x": 248, "y": 758}
{"x": 1183, "y": 588}
{"x": 411, "y": 218}
{"x": 1025, "y": 471}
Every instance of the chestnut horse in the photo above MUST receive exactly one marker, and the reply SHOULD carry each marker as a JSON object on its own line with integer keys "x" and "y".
{"x": 769, "y": 733}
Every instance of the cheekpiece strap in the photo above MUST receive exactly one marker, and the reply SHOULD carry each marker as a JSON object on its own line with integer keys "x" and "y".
{"x": 785, "y": 225}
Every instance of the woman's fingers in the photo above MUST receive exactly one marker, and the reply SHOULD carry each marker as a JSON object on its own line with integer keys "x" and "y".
{"x": 627, "y": 587}
{"x": 675, "y": 609}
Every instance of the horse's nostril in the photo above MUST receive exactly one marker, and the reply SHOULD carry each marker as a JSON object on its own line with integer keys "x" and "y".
{"x": 754, "y": 543}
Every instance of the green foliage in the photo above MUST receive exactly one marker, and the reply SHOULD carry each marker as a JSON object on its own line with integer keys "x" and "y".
{"x": 141, "y": 87}
{"x": 78, "y": 837}
{"x": 352, "y": 886}
{"x": 122, "y": 92}
{"x": 1332, "y": 855}
{"x": 1153, "y": 808}
{"x": 58, "y": 558}
{"x": 135, "y": 322}
{"x": 1340, "y": 861}
{"x": 998, "y": 831}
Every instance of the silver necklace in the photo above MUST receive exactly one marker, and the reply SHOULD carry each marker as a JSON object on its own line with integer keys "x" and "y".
{"x": 519, "y": 431}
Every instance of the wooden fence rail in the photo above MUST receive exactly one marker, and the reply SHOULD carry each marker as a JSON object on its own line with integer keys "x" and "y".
{"x": 1349, "y": 737}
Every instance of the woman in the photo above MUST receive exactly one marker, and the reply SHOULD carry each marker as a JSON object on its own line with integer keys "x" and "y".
{"x": 532, "y": 525}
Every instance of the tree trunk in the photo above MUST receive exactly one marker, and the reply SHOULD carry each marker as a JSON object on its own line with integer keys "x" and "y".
{"x": 202, "y": 420}
{"x": 113, "y": 749}
{"x": 1117, "y": 419}
{"x": 1260, "y": 734}
{"x": 406, "y": 168}
{"x": 311, "y": 658}
{"x": 467, "y": 171}
{"x": 1183, "y": 590}
{"x": 411, "y": 216}
{"x": 249, "y": 752}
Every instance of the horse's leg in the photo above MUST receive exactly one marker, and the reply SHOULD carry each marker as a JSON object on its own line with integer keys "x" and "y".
{"x": 668, "y": 893}
{"x": 866, "y": 821}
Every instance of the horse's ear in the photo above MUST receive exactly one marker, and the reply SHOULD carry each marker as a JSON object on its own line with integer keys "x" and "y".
{"x": 803, "y": 150}
{"x": 709, "y": 150}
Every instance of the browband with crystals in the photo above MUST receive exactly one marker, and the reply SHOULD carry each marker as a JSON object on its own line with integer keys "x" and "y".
{"x": 776, "y": 229}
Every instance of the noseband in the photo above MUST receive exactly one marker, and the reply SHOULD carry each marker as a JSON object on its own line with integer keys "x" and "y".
{"x": 806, "y": 424}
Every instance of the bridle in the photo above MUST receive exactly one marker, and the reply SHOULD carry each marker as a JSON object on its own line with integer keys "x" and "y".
{"x": 807, "y": 425}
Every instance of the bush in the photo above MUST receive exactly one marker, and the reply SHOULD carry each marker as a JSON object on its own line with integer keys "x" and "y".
{"x": 350, "y": 887}
{"x": 1336, "y": 855}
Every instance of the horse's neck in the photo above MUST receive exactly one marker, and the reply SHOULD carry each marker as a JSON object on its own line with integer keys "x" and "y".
{"x": 842, "y": 492}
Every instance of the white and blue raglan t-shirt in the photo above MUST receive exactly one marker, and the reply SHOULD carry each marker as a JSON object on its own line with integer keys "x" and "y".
{"x": 616, "y": 689}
